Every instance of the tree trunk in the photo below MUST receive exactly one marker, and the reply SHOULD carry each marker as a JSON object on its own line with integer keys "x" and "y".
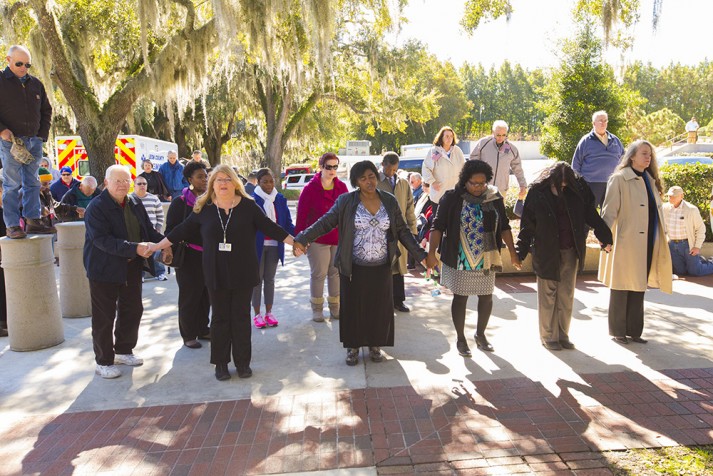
{"x": 99, "y": 141}
{"x": 213, "y": 147}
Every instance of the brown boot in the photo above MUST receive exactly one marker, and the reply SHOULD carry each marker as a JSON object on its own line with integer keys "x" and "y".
{"x": 36, "y": 226}
{"x": 15, "y": 232}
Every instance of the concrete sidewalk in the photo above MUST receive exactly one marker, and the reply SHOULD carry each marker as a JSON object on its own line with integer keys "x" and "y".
{"x": 425, "y": 408}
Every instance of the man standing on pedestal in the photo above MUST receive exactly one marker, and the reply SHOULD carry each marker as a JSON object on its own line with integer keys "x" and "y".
{"x": 597, "y": 155}
{"x": 25, "y": 115}
{"x": 115, "y": 249}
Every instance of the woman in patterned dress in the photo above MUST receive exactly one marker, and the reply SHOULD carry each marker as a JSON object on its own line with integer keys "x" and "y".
{"x": 370, "y": 224}
{"x": 469, "y": 227}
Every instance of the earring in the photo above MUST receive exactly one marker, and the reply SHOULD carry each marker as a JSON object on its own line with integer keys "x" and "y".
{"x": 190, "y": 187}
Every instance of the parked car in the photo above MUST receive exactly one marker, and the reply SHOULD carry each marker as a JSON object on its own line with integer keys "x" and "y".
{"x": 685, "y": 159}
{"x": 296, "y": 181}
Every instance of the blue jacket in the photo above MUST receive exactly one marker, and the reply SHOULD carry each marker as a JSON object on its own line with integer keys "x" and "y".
{"x": 59, "y": 188}
{"x": 173, "y": 176}
{"x": 594, "y": 161}
{"x": 284, "y": 219}
{"x": 106, "y": 249}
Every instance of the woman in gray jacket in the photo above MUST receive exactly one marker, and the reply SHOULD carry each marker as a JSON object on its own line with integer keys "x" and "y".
{"x": 370, "y": 224}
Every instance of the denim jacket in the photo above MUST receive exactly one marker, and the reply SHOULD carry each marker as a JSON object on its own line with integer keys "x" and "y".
{"x": 342, "y": 215}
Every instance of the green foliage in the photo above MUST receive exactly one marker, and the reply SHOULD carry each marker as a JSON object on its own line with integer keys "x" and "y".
{"x": 658, "y": 126}
{"x": 477, "y": 11}
{"x": 676, "y": 87}
{"x": 695, "y": 180}
{"x": 581, "y": 85}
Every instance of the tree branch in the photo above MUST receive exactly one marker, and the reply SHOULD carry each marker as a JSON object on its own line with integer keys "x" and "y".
{"x": 294, "y": 121}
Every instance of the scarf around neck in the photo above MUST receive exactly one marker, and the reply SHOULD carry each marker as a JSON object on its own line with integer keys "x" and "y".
{"x": 269, "y": 205}
{"x": 189, "y": 197}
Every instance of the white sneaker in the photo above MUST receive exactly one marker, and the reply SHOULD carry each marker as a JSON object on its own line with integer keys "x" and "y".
{"x": 108, "y": 371}
{"x": 161, "y": 277}
{"x": 128, "y": 359}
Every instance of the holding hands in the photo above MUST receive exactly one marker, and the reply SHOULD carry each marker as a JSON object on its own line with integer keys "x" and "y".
{"x": 298, "y": 249}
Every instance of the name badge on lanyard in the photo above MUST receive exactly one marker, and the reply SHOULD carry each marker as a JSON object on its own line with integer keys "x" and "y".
{"x": 224, "y": 246}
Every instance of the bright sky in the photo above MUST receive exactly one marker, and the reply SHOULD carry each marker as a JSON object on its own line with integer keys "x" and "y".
{"x": 530, "y": 38}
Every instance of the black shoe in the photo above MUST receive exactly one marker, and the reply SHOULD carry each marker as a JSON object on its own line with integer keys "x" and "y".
{"x": 222, "y": 372}
{"x": 352, "y": 357}
{"x": 401, "y": 307}
{"x": 567, "y": 344}
{"x": 551, "y": 345}
{"x": 620, "y": 340}
{"x": 638, "y": 340}
{"x": 463, "y": 348}
{"x": 245, "y": 372}
{"x": 483, "y": 343}
{"x": 193, "y": 344}
{"x": 375, "y": 354}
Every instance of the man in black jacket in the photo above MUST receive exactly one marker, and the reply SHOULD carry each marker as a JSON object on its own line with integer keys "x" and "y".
{"x": 25, "y": 114}
{"x": 115, "y": 254}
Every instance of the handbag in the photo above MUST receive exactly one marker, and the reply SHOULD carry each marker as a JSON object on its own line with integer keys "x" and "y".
{"x": 179, "y": 255}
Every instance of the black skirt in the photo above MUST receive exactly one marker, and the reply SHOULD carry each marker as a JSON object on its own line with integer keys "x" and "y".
{"x": 366, "y": 311}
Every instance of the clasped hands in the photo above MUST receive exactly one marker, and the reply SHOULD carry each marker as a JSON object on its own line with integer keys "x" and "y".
{"x": 146, "y": 249}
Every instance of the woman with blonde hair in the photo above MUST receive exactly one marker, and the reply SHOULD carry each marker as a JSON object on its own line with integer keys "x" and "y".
{"x": 640, "y": 256}
{"x": 442, "y": 165}
{"x": 228, "y": 221}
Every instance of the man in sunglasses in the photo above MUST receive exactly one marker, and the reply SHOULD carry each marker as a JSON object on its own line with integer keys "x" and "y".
{"x": 25, "y": 113}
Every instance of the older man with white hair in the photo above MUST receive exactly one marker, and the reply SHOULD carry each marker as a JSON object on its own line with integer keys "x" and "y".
{"x": 25, "y": 116}
{"x": 686, "y": 232}
{"x": 502, "y": 156}
{"x": 597, "y": 155}
{"x": 74, "y": 203}
{"x": 115, "y": 253}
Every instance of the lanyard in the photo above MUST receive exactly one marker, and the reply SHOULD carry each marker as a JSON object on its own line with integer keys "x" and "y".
{"x": 224, "y": 226}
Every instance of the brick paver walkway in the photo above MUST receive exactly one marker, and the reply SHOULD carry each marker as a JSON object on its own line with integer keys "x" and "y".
{"x": 507, "y": 426}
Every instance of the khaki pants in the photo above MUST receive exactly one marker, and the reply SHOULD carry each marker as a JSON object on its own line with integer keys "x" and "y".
{"x": 555, "y": 299}
{"x": 321, "y": 263}
{"x": 692, "y": 137}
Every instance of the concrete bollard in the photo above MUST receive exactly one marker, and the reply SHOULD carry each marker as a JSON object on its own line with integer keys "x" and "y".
{"x": 73, "y": 283}
{"x": 34, "y": 320}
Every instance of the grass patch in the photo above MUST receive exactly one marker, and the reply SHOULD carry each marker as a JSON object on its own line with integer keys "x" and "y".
{"x": 675, "y": 460}
{"x": 290, "y": 194}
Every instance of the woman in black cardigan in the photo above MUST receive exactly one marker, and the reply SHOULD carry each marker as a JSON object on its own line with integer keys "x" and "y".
{"x": 228, "y": 220}
{"x": 472, "y": 222}
{"x": 193, "y": 300}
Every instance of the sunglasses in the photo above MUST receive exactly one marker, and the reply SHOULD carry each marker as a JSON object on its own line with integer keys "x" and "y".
{"x": 331, "y": 167}
{"x": 20, "y": 64}
{"x": 66, "y": 175}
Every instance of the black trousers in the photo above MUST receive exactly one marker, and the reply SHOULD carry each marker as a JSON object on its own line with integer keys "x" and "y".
{"x": 598, "y": 190}
{"x": 193, "y": 300}
{"x": 399, "y": 288}
{"x": 120, "y": 302}
{"x": 230, "y": 328}
{"x": 626, "y": 313}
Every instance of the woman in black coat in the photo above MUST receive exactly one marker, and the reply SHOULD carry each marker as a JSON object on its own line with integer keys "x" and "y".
{"x": 555, "y": 222}
{"x": 193, "y": 301}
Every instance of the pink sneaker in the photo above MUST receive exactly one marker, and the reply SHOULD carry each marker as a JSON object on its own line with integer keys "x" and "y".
{"x": 259, "y": 321}
{"x": 270, "y": 319}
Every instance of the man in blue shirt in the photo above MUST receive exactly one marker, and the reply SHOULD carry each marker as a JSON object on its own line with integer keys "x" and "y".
{"x": 597, "y": 155}
{"x": 172, "y": 173}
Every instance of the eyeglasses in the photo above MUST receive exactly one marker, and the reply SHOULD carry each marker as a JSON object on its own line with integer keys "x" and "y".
{"x": 501, "y": 135}
{"x": 331, "y": 167}
{"x": 20, "y": 64}
{"x": 478, "y": 184}
{"x": 224, "y": 180}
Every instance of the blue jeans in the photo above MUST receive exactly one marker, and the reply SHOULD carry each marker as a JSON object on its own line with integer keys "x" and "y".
{"x": 684, "y": 263}
{"x": 16, "y": 177}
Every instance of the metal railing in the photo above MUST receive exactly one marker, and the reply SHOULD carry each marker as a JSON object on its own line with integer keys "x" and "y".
{"x": 681, "y": 140}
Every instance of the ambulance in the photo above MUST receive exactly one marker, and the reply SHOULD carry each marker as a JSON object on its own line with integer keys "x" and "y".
{"x": 130, "y": 150}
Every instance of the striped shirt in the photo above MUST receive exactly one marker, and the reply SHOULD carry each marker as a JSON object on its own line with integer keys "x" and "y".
{"x": 154, "y": 209}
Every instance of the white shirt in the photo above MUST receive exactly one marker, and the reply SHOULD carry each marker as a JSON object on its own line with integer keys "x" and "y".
{"x": 691, "y": 126}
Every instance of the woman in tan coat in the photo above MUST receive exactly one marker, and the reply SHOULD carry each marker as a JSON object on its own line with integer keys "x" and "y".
{"x": 640, "y": 254}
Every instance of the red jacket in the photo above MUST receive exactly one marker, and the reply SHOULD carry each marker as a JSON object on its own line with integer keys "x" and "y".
{"x": 314, "y": 202}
